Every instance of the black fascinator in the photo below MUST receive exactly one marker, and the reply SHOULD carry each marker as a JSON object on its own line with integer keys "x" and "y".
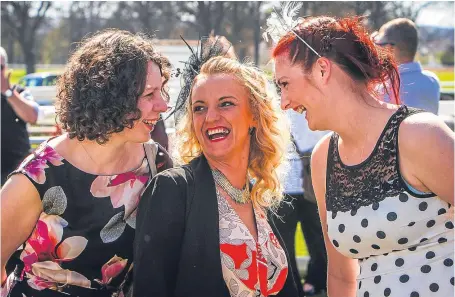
{"x": 208, "y": 47}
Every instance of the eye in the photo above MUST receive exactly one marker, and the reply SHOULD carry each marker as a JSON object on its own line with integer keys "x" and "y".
{"x": 197, "y": 109}
{"x": 226, "y": 104}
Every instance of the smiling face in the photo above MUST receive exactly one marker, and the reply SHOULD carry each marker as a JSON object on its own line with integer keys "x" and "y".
{"x": 299, "y": 91}
{"x": 221, "y": 117}
{"x": 151, "y": 104}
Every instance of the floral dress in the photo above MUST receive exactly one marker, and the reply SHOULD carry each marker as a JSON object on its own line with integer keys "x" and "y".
{"x": 82, "y": 244}
{"x": 250, "y": 268}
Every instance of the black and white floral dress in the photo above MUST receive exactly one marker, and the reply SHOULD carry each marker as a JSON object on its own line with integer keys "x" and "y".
{"x": 402, "y": 238}
{"x": 82, "y": 244}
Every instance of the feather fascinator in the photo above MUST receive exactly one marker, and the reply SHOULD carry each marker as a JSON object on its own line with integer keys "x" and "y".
{"x": 279, "y": 24}
{"x": 208, "y": 47}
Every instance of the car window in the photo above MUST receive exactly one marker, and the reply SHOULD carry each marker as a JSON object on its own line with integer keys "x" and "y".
{"x": 51, "y": 80}
{"x": 33, "y": 82}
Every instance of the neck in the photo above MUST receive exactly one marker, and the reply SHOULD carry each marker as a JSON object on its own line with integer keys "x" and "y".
{"x": 355, "y": 118}
{"x": 106, "y": 157}
{"x": 234, "y": 168}
{"x": 402, "y": 60}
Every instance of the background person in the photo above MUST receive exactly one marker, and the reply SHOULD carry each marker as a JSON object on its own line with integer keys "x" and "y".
{"x": 300, "y": 206}
{"x": 18, "y": 109}
{"x": 419, "y": 88}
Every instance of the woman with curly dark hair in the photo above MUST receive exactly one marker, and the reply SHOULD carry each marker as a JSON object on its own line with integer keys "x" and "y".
{"x": 71, "y": 206}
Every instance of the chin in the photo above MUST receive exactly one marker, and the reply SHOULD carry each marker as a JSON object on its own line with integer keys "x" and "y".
{"x": 140, "y": 138}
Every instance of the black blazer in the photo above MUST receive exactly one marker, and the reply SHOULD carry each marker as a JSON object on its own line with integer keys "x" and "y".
{"x": 177, "y": 244}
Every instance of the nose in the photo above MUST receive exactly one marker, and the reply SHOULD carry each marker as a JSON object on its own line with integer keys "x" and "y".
{"x": 160, "y": 104}
{"x": 212, "y": 115}
{"x": 285, "y": 102}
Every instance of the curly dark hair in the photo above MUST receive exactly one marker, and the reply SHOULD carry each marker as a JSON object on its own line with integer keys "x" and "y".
{"x": 98, "y": 92}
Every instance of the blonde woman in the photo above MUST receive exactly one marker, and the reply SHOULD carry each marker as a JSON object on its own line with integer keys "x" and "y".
{"x": 204, "y": 229}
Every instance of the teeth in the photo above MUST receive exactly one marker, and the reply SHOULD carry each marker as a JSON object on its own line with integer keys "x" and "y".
{"x": 148, "y": 122}
{"x": 219, "y": 130}
{"x": 300, "y": 109}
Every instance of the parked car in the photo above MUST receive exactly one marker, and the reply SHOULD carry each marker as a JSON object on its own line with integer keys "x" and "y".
{"x": 39, "y": 79}
{"x": 42, "y": 86}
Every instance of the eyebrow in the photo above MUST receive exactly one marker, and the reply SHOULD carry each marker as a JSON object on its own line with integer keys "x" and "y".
{"x": 220, "y": 99}
{"x": 149, "y": 91}
{"x": 226, "y": 97}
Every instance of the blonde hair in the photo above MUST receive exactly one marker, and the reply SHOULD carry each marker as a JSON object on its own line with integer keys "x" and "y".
{"x": 269, "y": 143}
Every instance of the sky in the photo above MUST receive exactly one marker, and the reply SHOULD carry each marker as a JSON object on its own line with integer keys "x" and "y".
{"x": 438, "y": 17}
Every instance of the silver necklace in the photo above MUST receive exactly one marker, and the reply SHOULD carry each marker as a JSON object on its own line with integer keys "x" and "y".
{"x": 240, "y": 196}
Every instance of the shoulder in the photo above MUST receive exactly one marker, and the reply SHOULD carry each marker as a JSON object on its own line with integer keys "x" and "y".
{"x": 170, "y": 181}
{"x": 319, "y": 155}
{"x": 35, "y": 165}
{"x": 163, "y": 159}
{"x": 431, "y": 76}
{"x": 424, "y": 131}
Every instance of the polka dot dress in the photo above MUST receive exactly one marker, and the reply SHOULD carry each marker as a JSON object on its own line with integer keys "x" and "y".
{"x": 403, "y": 240}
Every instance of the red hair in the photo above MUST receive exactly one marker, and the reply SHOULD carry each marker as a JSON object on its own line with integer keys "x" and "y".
{"x": 346, "y": 42}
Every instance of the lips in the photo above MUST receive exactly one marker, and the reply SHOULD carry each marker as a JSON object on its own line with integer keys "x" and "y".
{"x": 217, "y": 133}
{"x": 150, "y": 124}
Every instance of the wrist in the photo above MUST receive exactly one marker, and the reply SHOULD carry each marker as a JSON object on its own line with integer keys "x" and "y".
{"x": 10, "y": 92}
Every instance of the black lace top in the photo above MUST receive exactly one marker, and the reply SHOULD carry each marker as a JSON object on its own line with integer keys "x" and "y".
{"x": 403, "y": 239}
{"x": 378, "y": 177}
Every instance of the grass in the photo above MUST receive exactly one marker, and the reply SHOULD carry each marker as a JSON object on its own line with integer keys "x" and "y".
{"x": 300, "y": 245}
{"x": 17, "y": 74}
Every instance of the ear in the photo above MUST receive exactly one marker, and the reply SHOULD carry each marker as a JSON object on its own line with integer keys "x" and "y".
{"x": 322, "y": 70}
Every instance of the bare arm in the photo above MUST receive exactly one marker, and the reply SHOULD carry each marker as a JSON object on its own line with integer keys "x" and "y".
{"x": 23, "y": 104}
{"x": 341, "y": 271}
{"x": 426, "y": 146}
{"x": 25, "y": 108}
{"x": 21, "y": 207}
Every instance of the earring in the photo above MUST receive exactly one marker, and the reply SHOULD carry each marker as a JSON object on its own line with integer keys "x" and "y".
{"x": 251, "y": 130}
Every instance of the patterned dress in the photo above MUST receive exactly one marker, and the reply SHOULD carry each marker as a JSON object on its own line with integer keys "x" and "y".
{"x": 250, "y": 268}
{"x": 403, "y": 239}
{"x": 82, "y": 244}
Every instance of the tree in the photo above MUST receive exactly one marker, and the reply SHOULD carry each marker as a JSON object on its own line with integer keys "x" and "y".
{"x": 84, "y": 17}
{"x": 204, "y": 16}
{"x": 24, "y": 19}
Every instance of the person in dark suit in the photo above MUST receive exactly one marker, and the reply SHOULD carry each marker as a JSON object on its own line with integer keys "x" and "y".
{"x": 207, "y": 228}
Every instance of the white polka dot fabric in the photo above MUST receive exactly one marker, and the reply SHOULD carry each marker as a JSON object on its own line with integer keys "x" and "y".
{"x": 404, "y": 240}
{"x": 404, "y": 244}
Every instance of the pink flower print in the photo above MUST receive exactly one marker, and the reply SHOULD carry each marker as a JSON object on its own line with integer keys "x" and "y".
{"x": 35, "y": 164}
{"x": 111, "y": 269}
{"x": 50, "y": 275}
{"x": 123, "y": 189}
{"x": 43, "y": 242}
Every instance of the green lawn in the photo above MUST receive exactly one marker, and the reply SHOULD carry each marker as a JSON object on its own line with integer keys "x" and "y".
{"x": 300, "y": 245}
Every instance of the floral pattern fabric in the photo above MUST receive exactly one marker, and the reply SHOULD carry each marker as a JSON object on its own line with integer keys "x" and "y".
{"x": 82, "y": 242}
{"x": 250, "y": 268}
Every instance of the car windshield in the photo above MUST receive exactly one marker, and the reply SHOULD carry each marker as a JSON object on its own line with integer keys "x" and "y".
{"x": 38, "y": 81}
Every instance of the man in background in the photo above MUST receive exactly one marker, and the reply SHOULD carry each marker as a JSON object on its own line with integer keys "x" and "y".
{"x": 419, "y": 88}
{"x": 18, "y": 109}
{"x": 300, "y": 206}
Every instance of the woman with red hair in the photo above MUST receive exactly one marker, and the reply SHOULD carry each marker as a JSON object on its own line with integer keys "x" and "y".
{"x": 384, "y": 179}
